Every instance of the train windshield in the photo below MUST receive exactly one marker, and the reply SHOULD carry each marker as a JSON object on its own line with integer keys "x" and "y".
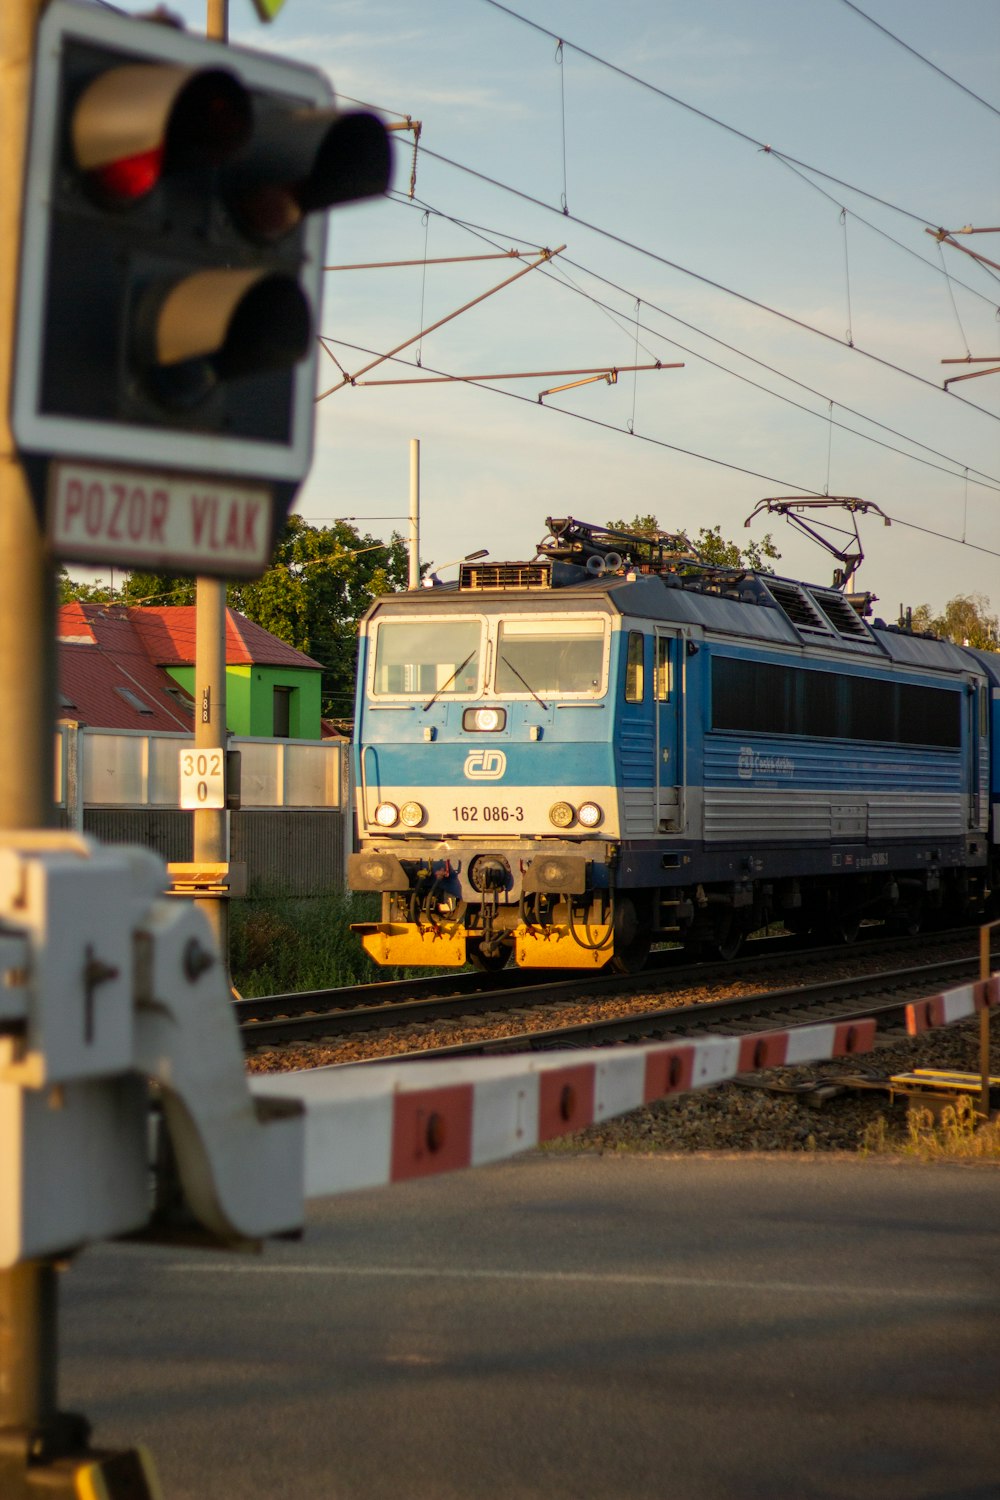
{"x": 428, "y": 658}
{"x": 550, "y": 656}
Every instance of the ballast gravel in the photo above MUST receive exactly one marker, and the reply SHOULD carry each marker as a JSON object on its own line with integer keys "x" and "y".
{"x": 753, "y": 1119}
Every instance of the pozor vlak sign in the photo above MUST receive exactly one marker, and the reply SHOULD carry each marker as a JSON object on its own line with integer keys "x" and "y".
{"x": 158, "y": 519}
{"x": 171, "y": 260}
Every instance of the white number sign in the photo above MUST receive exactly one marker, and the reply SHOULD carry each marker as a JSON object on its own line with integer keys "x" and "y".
{"x": 203, "y": 778}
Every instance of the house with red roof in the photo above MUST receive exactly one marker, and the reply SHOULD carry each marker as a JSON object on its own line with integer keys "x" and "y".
{"x": 132, "y": 667}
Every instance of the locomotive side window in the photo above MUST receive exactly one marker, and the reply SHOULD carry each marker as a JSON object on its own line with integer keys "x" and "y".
{"x": 635, "y": 683}
{"x": 765, "y": 698}
{"x": 661, "y": 674}
{"x": 550, "y": 657}
{"x": 421, "y": 658}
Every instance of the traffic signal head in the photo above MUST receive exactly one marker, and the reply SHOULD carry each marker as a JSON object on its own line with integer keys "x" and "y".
{"x": 132, "y": 123}
{"x": 172, "y": 255}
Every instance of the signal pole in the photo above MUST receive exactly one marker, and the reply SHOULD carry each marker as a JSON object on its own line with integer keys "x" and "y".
{"x": 27, "y": 599}
{"x": 27, "y": 698}
{"x": 211, "y": 824}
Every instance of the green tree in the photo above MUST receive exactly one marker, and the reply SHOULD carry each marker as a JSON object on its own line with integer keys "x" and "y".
{"x": 70, "y": 590}
{"x": 135, "y": 588}
{"x": 320, "y": 582}
{"x": 966, "y": 620}
{"x": 710, "y": 545}
{"x": 157, "y": 589}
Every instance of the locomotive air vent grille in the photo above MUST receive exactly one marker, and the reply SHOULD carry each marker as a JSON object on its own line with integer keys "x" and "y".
{"x": 501, "y": 575}
{"x": 798, "y": 606}
{"x": 844, "y": 619}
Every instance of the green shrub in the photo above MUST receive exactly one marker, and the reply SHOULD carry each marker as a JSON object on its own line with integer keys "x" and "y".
{"x": 280, "y": 944}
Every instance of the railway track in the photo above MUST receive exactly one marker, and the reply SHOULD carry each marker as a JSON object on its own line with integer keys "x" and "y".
{"x": 884, "y": 996}
{"x": 654, "y": 1000}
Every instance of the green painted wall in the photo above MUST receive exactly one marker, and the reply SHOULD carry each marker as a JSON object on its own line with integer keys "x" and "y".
{"x": 250, "y": 698}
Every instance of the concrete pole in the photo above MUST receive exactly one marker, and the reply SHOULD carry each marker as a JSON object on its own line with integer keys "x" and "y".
{"x": 414, "y": 578}
{"x": 211, "y": 824}
{"x": 28, "y": 698}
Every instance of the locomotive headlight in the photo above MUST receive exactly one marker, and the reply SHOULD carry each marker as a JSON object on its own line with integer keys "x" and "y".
{"x": 412, "y": 814}
{"x": 589, "y": 814}
{"x": 484, "y": 720}
{"x": 386, "y": 814}
{"x": 561, "y": 814}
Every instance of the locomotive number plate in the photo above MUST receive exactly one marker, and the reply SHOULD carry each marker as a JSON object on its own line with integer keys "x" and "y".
{"x": 495, "y": 813}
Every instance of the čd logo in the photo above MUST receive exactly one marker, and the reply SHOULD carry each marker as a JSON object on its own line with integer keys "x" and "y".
{"x": 485, "y": 765}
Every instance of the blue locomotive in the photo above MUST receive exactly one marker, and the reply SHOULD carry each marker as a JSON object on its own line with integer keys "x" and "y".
{"x": 567, "y": 759}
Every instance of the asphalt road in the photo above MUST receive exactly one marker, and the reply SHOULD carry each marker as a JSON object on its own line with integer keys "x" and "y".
{"x": 573, "y": 1328}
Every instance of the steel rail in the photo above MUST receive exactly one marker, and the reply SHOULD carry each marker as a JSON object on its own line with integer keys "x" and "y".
{"x": 849, "y": 999}
{"x": 286, "y": 1020}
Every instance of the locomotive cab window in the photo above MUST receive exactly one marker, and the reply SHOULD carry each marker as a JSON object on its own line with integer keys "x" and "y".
{"x": 550, "y": 657}
{"x": 635, "y": 677}
{"x": 422, "y": 657}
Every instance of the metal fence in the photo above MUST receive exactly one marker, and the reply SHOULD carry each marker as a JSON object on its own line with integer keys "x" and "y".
{"x": 292, "y": 829}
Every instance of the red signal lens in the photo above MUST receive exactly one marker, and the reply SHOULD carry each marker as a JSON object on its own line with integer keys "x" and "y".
{"x": 131, "y": 178}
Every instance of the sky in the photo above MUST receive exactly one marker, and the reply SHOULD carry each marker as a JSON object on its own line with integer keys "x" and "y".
{"x": 810, "y": 308}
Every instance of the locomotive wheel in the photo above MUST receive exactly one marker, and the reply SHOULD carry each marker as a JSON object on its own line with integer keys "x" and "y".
{"x": 727, "y": 941}
{"x": 633, "y": 937}
{"x": 628, "y": 958}
{"x": 842, "y": 927}
{"x": 489, "y": 963}
{"x": 720, "y": 936}
{"x": 909, "y": 921}
{"x": 848, "y": 929}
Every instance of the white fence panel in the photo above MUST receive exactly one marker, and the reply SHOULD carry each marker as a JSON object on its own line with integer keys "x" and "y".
{"x": 128, "y": 768}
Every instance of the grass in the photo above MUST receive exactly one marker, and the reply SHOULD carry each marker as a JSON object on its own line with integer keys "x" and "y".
{"x": 959, "y": 1134}
{"x": 282, "y": 944}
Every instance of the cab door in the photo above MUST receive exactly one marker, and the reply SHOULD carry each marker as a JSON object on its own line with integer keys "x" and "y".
{"x": 668, "y": 708}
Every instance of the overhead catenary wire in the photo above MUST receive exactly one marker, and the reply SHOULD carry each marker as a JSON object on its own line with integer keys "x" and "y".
{"x": 794, "y": 164}
{"x": 557, "y": 270}
{"x": 606, "y": 426}
{"x": 791, "y": 162}
{"x": 561, "y": 63}
{"x": 702, "y": 114}
{"x": 920, "y": 56}
{"x": 951, "y": 294}
{"x": 800, "y": 168}
{"x": 707, "y": 458}
{"x": 743, "y": 297}
{"x": 939, "y": 270}
{"x": 847, "y": 281}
